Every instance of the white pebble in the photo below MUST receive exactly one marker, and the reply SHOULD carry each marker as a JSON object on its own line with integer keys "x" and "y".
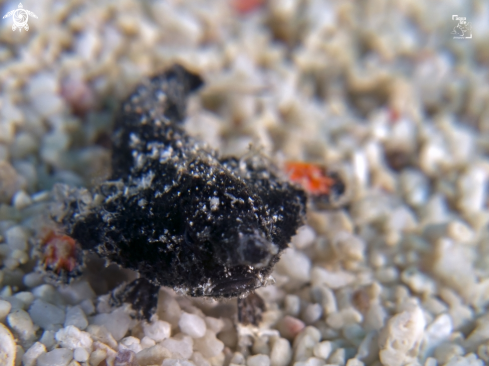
{"x": 414, "y": 186}
{"x": 325, "y": 297}
{"x": 454, "y": 263}
{"x": 208, "y": 345}
{"x": 333, "y": 280}
{"x": 41, "y": 196}
{"x": 26, "y": 297}
{"x": 258, "y": 360}
{"x": 77, "y": 291}
{"x": 448, "y": 351}
{"x": 237, "y": 358}
{"x": 76, "y": 317}
{"x": 348, "y": 246}
{"x": 16, "y": 238}
{"x": 57, "y": 357}
{"x": 360, "y": 167}
{"x": 46, "y": 315}
{"x": 192, "y": 324}
{"x": 312, "y": 361}
{"x": 101, "y": 334}
{"x": 168, "y": 309}
{"x": 304, "y": 238}
{"x": 176, "y": 362}
{"x": 147, "y": 342}
{"x": 48, "y": 105}
{"x": 369, "y": 347}
{"x": 472, "y": 190}
{"x": 338, "y": 357}
{"x": 387, "y": 274}
{"x": 117, "y": 322}
{"x": 97, "y": 356}
{"x": 4, "y": 309}
{"x": 460, "y": 232}
{"x": 295, "y": 264}
{"x": 260, "y": 346}
{"x": 47, "y": 338}
{"x": 354, "y": 362}
{"x": 479, "y": 335}
{"x": 417, "y": 281}
{"x": 430, "y": 361}
{"x": 354, "y": 333}
{"x": 45, "y": 292}
{"x": 344, "y": 317}
{"x": 81, "y": 355}
{"x": 10, "y": 180}
{"x": 312, "y": 312}
{"x": 130, "y": 343}
{"x": 153, "y": 355}
{"x": 16, "y": 303}
{"x": 33, "y": 279}
{"x": 32, "y": 354}
{"x": 400, "y": 219}
{"x": 398, "y": 341}
{"x": 87, "y": 306}
{"x": 21, "y": 324}
{"x": 438, "y": 331}
{"x": 158, "y": 330}
{"x": 6, "y": 291}
{"x": 432, "y": 156}
{"x": 281, "y": 353}
{"x": 180, "y": 348}
{"x": 305, "y": 342}
{"x": 435, "y": 211}
{"x": 24, "y": 144}
{"x": 21, "y": 200}
{"x": 434, "y": 305}
{"x": 7, "y": 346}
{"x": 71, "y": 337}
{"x": 292, "y": 305}
{"x": 214, "y": 324}
{"x": 199, "y": 360}
{"x": 42, "y": 83}
{"x": 88, "y": 45}
{"x": 323, "y": 350}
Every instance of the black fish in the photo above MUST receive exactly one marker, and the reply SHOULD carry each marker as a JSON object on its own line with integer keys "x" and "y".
{"x": 175, "y": 211}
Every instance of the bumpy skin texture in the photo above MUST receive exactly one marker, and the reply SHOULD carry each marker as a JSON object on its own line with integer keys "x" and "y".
{"x": 175, "y": 211}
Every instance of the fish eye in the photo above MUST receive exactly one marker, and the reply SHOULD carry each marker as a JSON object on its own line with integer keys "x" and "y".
{"x": 255, "y": 250}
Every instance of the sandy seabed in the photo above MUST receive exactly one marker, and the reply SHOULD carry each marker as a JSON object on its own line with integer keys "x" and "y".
{"x": 395, "y": 274}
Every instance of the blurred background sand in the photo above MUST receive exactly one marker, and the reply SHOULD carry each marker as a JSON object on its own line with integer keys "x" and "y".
{"x": 380, "y": 91}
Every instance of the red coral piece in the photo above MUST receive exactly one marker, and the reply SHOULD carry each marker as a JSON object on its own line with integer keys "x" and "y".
{"x": 310, "y": 176}
{"x": 246, "y": 6}
{"x": 59, "y": 252}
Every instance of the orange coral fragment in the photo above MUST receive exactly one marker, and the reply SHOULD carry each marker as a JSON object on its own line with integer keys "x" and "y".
{"x": 310, "y": 176}
{"x": 59, "y": 252}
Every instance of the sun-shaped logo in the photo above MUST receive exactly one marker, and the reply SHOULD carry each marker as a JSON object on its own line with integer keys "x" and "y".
{"x": 20, "y": 17}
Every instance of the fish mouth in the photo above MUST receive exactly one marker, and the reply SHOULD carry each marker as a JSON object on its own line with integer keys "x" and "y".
{"x": 234, "y": 287}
